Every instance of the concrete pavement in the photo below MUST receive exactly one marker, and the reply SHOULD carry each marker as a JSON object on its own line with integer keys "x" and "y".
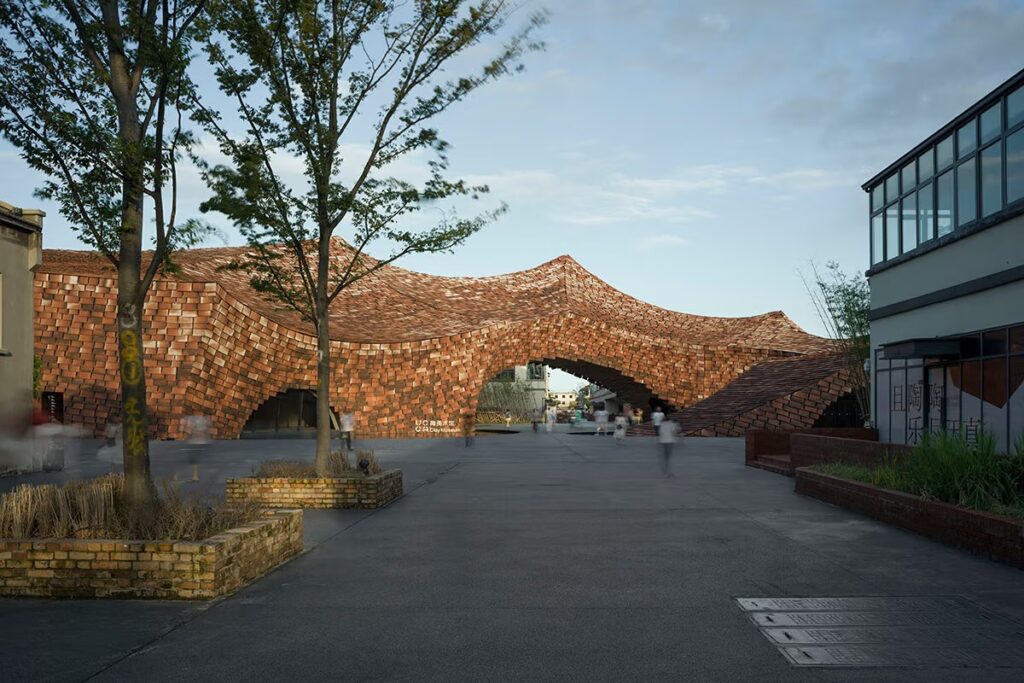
{"x": 529, "y": 557}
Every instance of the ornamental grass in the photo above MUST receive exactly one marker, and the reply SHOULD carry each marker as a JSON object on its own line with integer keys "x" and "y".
{"x": 338, "y": 465}
{"x": 96, "y": 509}
{"x": 945, "y": 467}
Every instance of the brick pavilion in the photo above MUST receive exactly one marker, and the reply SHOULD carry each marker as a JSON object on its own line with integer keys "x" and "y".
{"x": 412, "y": 351}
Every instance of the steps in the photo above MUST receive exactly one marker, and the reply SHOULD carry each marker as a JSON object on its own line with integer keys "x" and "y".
{"x": 779, "y": 464}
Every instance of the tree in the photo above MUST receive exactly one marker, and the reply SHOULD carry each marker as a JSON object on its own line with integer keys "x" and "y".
{"x": 300, "y": 73}
{"x": 92, "y": 95}
{"x": 499, "y": 396}
{"x": 843, "y": 303}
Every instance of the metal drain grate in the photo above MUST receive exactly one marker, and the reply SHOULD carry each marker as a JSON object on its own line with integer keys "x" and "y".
{"x": 896, "y": 631}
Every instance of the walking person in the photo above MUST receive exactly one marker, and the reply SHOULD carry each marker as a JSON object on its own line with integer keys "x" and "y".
{"x": 535, "y": 419}
{"x": 620, "y": 429}
{"x": 347, "y": 423}
{"x": 667, "y": 439}
{"x": 549, "y": 423}
{"x": 469, "y": 428}
{"x": 656, "y": 418}
{"x": 601, "y": 420}
{"x": 197, "y": 427}
{"x": 508, "y": 419}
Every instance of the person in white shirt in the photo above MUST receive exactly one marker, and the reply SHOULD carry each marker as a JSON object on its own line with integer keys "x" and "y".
{"x": 657, "y": 417}
{"x": 601, "y": 419}
{"x": 347, "y": 423}
{"x": 620, "y": 429}
{"x": 667, "y": 439}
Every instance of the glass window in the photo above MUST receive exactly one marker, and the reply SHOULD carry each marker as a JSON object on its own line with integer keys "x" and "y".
{"x": 909, "y": 222}
{"x": 944, "y": 153}
{"x": 1016, "y": 402}
{"x": 898, "y": 406}
{"x": 877, "y": 242}
{"x": 991, "y": 179}
{"x": 970, "y": 346}
{"x": 1015, "y": 108}
{"x": 877, "y": 200}
{"x": 993, "y": 401}
{"x": 993, "y": 343}
{"x": 926, "y": 164}
{"x": 935, "y": 398}
{"x": 992, "y": 122}
{"x": 925, "y": 214}
{"x": 892, "y": 231}
{"x": 1015, "y": 167}
{"x": 966, "y": 199}
{"x": 1017, "y": 339}
{"x": 908, "y": 177}
{"x": 882, "y": 404}
{"x": 892, "y": 189}
{"x": 970, "y": 400}
{"x": 915, "y": 404}
{"x": 944, "y": 203}
{"x": 951, "y": 409}
{"x": 967, "y": 138}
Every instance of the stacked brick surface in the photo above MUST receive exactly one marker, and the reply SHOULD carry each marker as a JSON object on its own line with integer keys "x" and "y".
{"x": 812, "y": 449}
{"x": 366, "y": 493}
{"x": 777, "y": 395}
{"x": 85, "y": 568}
{"x": 407, "y": 347}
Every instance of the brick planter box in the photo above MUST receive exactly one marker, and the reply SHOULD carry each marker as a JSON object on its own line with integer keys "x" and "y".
{"x": 812, "y": 449}
{"x": 994, "y": 536}
{"x": 370, "y": 492}
{"x": 189, "y": 570}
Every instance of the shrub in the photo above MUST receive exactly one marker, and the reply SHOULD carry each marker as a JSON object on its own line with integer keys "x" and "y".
{"x": 338, "y": 465}
{"x": 946, "y": 468}
{"x": 96, "y": 509}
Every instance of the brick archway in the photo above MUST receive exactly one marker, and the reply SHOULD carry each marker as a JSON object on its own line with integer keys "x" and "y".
{"x": 406, "y": 346}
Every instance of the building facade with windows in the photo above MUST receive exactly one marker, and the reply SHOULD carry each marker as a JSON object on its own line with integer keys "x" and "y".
{"x": 20, "y": 255}
{"x": 947, "y": 278}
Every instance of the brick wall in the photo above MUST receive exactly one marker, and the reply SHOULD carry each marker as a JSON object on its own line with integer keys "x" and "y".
{"x": 764, "y": 442}
{"x": 797, "y": 410}
{"x": 999, "y": 538}
{"x": 85, "y": 568}
{"x": 810, "y": 449}
{"x": 370, "y": 492}
{"x": 415, "y": 347}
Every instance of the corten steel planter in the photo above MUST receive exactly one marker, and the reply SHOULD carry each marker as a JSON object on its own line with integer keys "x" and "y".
{"x": 363, "y": 492}
{"x": 994, "y": 536}
{"x": 188, "y": 570}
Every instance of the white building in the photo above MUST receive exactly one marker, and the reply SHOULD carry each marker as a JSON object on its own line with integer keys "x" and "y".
{"x": 521, "y": 389}
{"x": 947, "y": 278}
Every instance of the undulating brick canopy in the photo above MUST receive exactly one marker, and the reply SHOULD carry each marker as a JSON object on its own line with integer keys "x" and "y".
{"x": 408, "y": 349}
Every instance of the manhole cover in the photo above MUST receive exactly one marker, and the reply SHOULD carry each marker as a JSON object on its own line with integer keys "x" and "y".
{"x": 887, "y": 631}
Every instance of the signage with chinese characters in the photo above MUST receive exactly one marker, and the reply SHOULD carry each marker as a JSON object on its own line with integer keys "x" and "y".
{"x": 436, "y": 426}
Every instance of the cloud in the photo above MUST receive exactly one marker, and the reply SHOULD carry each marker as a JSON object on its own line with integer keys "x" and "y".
{"x": 662, "y": 241}
{"x": 717, "y": 22}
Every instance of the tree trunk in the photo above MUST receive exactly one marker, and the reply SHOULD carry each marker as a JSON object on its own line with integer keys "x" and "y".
{"x": 139, "y": 489}
{"x": 323, "y": 390}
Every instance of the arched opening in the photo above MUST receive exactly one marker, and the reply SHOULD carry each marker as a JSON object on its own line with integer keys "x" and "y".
{"x": 291, "y": 412}
{"x": 518, "y": 395}
{"x": 842, "y": 412}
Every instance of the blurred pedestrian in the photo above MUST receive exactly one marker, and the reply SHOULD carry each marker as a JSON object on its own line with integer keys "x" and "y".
{"x": 347, "y": 423}
{"x": 656, "y": 418}
{"x": 508, "y": 419}
{"x": 197, "y": 427}
{"x": 551, "y": 418}
{"x": 620, "y": 429}
{"x": 535, "y": 419}
{"x": 469, "y": 428}
{"x": 667, "y": 439}
{"x": 601, "y": 420}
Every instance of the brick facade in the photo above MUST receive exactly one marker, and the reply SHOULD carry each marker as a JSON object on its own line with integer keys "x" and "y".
{"x": 996, "y": 537}
{"x": 407, "y": 347}
{"x": 812, "y": 449}
{"x": 365, "y": 493}
{"x": 86, "y": 568}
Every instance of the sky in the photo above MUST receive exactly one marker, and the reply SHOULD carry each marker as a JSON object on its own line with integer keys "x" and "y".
{"x": 697, "y": 155}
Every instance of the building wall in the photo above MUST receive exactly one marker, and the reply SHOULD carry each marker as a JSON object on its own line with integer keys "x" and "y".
{"x": 19, "y": 255}
{"x": 910, "y": 397}
{"x": 208, "y": 352}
